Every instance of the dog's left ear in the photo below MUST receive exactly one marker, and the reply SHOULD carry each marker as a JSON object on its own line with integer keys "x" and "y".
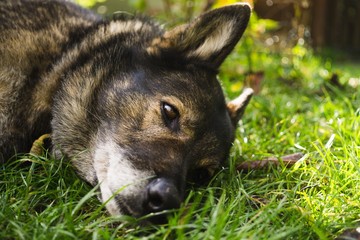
{"x": 209, "y": 38}
{"x": 236, "y": 107}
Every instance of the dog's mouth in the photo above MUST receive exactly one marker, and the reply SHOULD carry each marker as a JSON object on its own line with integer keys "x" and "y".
{"x": 125, "y": 208}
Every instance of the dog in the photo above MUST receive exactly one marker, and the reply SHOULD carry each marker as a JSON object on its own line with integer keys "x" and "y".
{"x": 136, "y": 108}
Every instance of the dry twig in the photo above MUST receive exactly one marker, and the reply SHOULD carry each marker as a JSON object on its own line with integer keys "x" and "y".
{"x": 287, "y": 161}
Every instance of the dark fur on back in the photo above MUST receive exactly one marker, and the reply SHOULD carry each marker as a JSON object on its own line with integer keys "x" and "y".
{"x": 28, "y": 49}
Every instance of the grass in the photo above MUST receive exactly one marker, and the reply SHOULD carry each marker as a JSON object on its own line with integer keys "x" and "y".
{"x": 297, "y": 111}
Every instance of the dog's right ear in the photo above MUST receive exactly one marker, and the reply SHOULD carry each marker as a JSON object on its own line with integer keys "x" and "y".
{"x": 208, "y": 39}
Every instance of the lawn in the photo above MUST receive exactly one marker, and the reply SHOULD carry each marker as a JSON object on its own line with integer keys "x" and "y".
{"x": 298, "y": 109}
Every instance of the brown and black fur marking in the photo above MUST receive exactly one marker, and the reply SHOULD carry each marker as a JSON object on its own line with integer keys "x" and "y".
{"x": 28, "y": 49}
{"x": 129, "y": 103}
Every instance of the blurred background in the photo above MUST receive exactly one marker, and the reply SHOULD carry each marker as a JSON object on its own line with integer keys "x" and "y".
{"x": 322, "y": 23}
{"x": 301, "y": 43}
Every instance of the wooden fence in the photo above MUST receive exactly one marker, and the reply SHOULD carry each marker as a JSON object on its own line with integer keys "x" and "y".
{"x": 332, "y": 23}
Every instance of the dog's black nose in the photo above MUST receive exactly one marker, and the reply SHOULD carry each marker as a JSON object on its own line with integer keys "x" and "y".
{"x": 162, "y": 194}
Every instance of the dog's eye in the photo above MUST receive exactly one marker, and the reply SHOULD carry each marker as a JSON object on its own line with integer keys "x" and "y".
{"x": 170, "y": 115}
{"x": 170, "y": 112}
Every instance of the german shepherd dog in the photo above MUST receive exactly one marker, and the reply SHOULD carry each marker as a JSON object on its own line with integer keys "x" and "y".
{"x": 136, "y": 109}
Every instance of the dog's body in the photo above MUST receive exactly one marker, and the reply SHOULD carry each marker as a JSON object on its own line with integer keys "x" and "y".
{"x": 135, "y": 108}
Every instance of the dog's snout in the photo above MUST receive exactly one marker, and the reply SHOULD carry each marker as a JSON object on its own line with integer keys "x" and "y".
{"x": 162, "y": 194}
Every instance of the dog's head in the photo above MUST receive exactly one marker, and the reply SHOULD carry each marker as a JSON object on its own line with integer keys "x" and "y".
{"x": 165, "y": 121}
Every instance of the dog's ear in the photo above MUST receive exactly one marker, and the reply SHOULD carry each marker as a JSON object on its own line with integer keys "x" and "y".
{"x": 237, "y": 106}
{"x": 208, "y": 38}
